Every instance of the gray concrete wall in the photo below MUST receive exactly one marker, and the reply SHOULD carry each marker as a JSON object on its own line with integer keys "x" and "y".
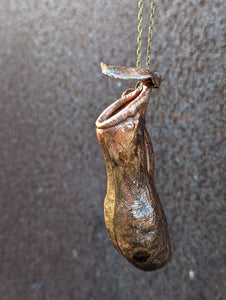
{"x": 53, "y": 242}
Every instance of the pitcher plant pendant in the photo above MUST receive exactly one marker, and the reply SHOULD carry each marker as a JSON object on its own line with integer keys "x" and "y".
{"x": 134, "y": 216}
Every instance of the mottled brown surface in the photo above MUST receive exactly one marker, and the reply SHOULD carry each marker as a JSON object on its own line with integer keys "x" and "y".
{"x": 53, "y": 241}
{"x": 133, "y": 212}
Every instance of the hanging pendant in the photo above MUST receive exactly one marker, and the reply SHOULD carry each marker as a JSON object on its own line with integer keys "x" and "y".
{"x": 134, "y": 216}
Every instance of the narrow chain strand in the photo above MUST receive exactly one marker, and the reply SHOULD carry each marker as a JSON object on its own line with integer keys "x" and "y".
{"x": 150, "y": 35}
{"x": 139, "y": 37}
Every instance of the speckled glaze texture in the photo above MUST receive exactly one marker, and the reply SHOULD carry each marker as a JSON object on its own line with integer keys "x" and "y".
{"x": 134, "y": 216}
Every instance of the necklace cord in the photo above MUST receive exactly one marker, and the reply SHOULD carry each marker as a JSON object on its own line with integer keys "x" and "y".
{"x": 139, "y": 37}
{"x": 150, "y": 34}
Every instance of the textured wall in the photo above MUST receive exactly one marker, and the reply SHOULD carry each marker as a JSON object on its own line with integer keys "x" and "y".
{"x": 53, "y": 242}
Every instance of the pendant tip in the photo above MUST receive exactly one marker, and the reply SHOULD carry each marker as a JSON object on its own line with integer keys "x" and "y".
{"x": 103, "y": 67}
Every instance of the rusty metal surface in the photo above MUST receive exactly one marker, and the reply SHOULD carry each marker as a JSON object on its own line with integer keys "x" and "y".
{"x": 53, "y": 242}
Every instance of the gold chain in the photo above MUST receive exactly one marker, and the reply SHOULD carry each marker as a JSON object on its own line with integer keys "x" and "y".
{"x": 139, "y": 29}
{"x": 150, "y": 34}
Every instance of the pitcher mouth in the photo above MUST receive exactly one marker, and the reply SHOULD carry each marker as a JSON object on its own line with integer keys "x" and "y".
{"x": 127, "y": 106}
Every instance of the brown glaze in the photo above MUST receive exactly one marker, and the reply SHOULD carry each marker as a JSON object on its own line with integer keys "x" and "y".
{"x": 134, "y": 216}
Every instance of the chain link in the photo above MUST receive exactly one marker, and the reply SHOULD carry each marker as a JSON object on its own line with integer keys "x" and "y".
{"x": 150, "y": 34}
{"x": 139, "y": 29}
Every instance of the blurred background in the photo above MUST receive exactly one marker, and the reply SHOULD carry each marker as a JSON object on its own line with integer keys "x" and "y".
{"x": 53, "y": 241}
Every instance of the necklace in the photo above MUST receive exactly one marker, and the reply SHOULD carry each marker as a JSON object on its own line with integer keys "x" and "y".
{"x": 134, "y": 216}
